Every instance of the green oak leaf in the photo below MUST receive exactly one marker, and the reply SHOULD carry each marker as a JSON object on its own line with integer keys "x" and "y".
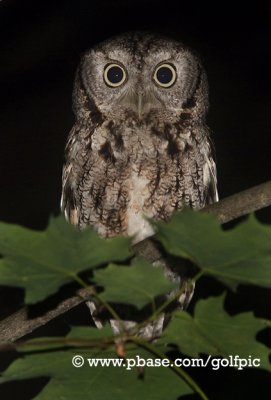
{"x": 213, "y": 331}
{"x": 137, "y": 284}
{"x": 239, "y": 255}
{"x": 42, "y": 261}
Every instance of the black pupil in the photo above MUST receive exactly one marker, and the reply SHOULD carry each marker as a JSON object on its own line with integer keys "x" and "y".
{"x": 164, "y": 75}
{"x": 115, "y": 74}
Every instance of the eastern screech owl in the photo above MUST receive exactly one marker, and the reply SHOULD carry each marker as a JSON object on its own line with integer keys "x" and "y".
{"x": 140, "y": 145}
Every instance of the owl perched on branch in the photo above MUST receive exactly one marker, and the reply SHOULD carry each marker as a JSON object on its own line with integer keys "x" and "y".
{"x": 140, "y": 145}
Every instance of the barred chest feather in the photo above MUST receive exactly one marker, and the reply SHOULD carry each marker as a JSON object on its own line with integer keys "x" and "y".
{"x": 119, "y": 177}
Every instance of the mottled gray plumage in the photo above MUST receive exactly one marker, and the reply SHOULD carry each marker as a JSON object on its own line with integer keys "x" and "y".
{"x": 138, "y": 148}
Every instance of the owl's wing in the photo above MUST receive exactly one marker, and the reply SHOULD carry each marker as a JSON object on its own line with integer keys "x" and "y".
{"x": 210, "y": 176}
{"x": 69, "y": 202}
{"x": 212, "y": 196}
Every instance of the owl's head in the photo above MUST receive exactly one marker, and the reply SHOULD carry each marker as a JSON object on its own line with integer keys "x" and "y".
{"x": 142, "y": 73}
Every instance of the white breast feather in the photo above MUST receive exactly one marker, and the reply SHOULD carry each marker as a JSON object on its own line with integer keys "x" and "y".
{"x": 137, "y": 225}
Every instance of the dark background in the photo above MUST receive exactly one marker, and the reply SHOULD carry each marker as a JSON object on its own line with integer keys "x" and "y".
{"x": 40, "y": 47}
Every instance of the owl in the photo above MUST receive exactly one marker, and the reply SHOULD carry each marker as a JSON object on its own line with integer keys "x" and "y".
{"x": 140, "y": 146}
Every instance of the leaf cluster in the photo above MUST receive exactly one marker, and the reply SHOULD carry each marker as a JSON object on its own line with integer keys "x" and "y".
{"x": 42, "y": 262}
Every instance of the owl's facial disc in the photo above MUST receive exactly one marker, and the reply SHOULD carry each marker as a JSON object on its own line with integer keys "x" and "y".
{"x": 139, "y": 90}
{"x": 143, "y": 75}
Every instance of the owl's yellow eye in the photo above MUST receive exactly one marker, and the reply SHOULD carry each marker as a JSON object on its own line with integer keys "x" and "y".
{"x": 165, "y": 75}
{"x": 114, "y": 75}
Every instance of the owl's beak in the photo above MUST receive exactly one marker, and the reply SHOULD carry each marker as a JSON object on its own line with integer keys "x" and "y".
{"x": 147, "y": 101}
{"x": 141, "y": 101}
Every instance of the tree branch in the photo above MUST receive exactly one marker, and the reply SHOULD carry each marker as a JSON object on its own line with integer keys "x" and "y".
{"x": 242, "y": 203}
{"x": 18, "y": 324}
